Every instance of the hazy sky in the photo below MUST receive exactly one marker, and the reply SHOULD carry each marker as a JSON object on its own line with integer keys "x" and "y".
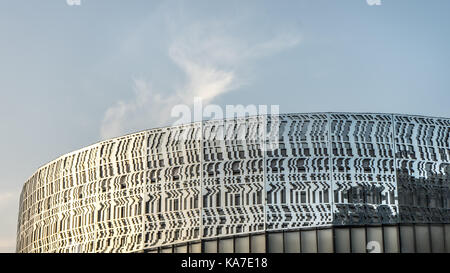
{"x": 73, "y": 75}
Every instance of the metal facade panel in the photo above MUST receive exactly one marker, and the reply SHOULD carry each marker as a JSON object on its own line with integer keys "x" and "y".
{"x": 297, "y": 172}
{"x": 364, "y": 178}
{"x": 423, "y": 168}
{"x": 210, "y": 179}
{"x": 233, "y": 180}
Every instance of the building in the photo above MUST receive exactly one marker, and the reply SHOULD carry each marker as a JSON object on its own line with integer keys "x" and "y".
{"x": 317, "y": 182}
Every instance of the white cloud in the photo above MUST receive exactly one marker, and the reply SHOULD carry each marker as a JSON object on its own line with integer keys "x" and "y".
{"x": 275, "y": 45}
{"x": 210, "y": 61}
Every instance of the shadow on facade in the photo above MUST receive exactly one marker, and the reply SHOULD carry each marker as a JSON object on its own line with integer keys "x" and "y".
{"x": 420, "y": 200}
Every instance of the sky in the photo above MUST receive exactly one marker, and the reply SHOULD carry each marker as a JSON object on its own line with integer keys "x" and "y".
{"x": 73, "y": 75}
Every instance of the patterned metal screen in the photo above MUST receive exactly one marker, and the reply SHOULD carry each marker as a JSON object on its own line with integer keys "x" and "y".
{"x": 221, "y": 178}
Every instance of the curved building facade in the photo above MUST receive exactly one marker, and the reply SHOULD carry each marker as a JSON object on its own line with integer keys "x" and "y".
{"x": 319, "y": 182}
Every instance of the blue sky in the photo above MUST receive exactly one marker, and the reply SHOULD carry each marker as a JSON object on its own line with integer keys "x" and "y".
{"x": 73, "y": 75}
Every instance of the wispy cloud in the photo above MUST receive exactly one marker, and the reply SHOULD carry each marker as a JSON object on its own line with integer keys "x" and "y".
{"x": 210, "y": 60}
